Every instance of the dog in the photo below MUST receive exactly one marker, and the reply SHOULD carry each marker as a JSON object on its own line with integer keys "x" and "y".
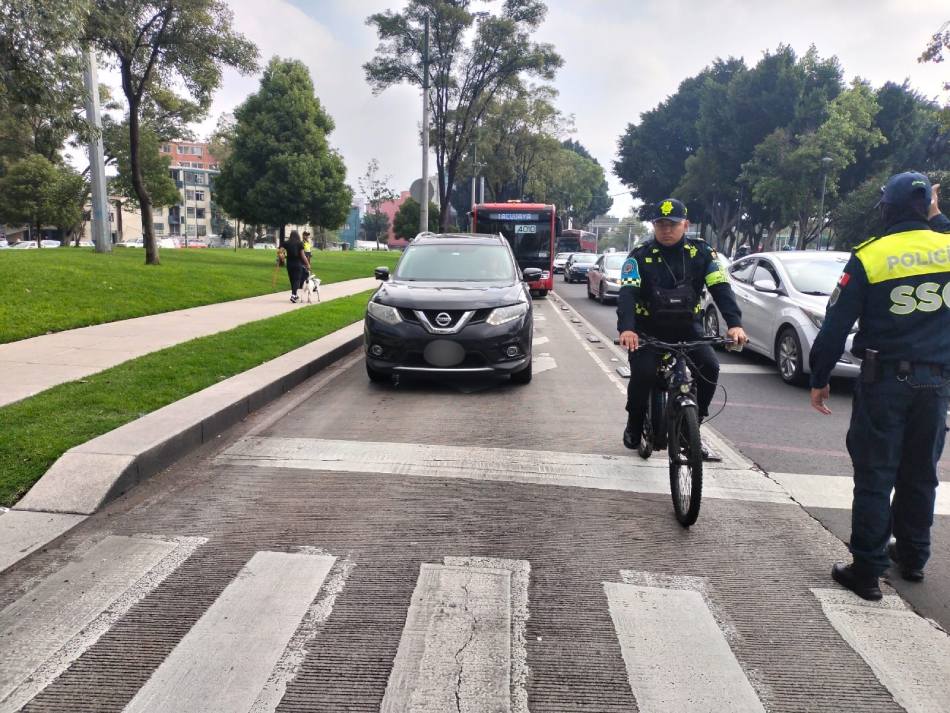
{"x": 311, "y": 287}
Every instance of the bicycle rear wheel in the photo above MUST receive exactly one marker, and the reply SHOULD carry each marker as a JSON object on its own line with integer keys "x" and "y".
{"x": 686, "y": 464}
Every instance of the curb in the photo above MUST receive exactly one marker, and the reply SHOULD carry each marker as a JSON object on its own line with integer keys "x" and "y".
{"x": 89, "y": 476}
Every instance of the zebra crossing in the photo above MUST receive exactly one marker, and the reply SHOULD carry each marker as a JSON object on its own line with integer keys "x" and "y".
{"x": 463, "y": 645}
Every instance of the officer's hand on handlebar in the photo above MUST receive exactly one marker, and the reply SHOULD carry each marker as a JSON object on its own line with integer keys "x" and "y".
{"x": 738, "y": 335}
{"x": 818, "y": 398}
{"x": 630, "y": 340}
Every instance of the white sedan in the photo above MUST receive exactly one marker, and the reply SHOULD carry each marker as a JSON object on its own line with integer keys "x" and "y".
{"x": 783, "y": 297}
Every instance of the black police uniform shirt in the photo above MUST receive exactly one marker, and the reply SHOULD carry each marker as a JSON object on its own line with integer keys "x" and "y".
{"x": 898, "y": 284}
{"x": 651, "y": 265}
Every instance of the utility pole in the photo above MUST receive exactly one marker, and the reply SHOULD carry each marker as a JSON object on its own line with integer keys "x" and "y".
{"x": 101, "y": 233}
{"x": 821, "y": 205}
{"x": 424, "y": 203}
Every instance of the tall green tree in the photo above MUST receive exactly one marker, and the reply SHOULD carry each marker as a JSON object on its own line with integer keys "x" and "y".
{"x": 473, "y": 56}
{"x": 41, "y": 64}
{"x": 375, "y": 226}
{"x": 376, "y": 189}
{"x": 38, "y": 192}
{"x": 159, "y": 44}
{"x": 406, "y": 222}
{"x": 281, "y": 169}
{"x": 154, "y": 164}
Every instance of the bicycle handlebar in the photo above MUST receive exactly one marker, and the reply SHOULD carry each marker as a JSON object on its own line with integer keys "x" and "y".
{"x": 701, "y": 341}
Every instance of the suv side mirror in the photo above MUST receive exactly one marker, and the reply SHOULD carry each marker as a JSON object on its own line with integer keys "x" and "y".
{"x": 531, "y": 274}
{"x": 381, "y": 273}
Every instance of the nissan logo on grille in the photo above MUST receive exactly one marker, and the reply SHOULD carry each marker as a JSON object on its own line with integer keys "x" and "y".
{"x": 443, "y": 319}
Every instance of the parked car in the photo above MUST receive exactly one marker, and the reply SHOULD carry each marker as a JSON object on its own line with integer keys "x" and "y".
{"x": 455, "y": 304}
{"x": 783, "y": 297}
{"x": 169, "y": 243}
{"x": 560, "y": 259}
{"x": 4, "y": 244}
{"x": 603, "y": 278}
{"x": 575, "y": 270}
{"x": 31, "y": 244}
{"x": 136, "y": 243}
{"x": 265, "y": 246}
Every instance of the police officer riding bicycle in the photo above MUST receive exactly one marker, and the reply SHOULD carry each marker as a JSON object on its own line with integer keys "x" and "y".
{"x": 661, "y": 283}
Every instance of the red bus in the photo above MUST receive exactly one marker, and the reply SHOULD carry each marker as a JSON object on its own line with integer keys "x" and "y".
{"x": 576, "y": 241}
{"x": 530, "y": 228}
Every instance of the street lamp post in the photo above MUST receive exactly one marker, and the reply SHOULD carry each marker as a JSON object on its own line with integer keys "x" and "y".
{"x": 825, "y": 162}
{"x": 424, "y": 203}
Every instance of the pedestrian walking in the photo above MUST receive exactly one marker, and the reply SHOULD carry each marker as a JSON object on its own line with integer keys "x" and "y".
{"x": 298, "y": 265}
{"x": 898, "y": 285}
{"x": 307, "y": 244}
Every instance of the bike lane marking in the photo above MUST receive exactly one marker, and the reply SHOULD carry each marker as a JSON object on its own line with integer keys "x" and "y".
{"x": 909, "y": 655}
{"x": 462, "y": 646}
{"x": 53, "y": 624}
{"x": 676, "y": 655}
{"x": 225, "y": 661}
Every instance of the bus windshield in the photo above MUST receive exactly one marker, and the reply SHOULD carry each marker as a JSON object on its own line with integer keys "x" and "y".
{"x": 528, "y": 233}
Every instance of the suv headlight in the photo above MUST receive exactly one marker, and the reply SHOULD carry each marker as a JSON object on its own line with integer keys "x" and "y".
{"x": 384, "y": 313}
{"x": 816, "y": 318}
{"x": 503, "y": 315}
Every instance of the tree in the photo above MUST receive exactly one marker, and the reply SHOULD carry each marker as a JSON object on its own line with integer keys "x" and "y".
{"x": 469, "y": 66}
{"x": 374, "y": 225}
{"x": 574, "y": 183}
{"x": 624, "y": 235}
{"x": 376, "y": 190}
{"x": 154, "y": 164}
{"x": 939, "y": 42}
{"x": 281, "y": 168}
{"x": 159, "y": 44}
{"x": 41, "y": 62}
{"x": 406, "y": 222}
{"x": 38, "y": 192}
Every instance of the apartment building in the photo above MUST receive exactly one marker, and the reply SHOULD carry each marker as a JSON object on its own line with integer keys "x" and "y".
{"x": 193, "y": 169}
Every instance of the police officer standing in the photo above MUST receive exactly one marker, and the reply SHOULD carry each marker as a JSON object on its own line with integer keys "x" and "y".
{"x": 661, "y": 283}
{"x": 898, "y": 285}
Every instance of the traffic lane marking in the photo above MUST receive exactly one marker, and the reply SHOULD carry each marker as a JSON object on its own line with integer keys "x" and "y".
{"x": 676, "y": 656}
{"x": 23, "y": 531}
{"x": 53, "y": 624}
{"x": 624, "y": 473}
{"x": 836, "y": 491}
{"x": 908, "y": 654}
{"x": 224, "y": 662}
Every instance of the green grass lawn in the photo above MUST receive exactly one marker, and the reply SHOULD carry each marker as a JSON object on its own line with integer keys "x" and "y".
{"x": 38, "y": 430}
{"x": 64, "y": 288}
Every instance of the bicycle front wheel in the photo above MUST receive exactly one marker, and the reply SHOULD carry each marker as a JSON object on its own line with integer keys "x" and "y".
{"x": 686, "y": 464}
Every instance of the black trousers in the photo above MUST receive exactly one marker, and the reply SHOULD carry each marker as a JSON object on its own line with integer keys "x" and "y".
{"x": 896, "y": 438}
{"x": 644, "y": 363}
{"x": 297, "y": 273}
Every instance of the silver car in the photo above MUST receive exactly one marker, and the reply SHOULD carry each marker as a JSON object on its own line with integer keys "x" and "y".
{"x": 603, "y": 279}
{"x": 783, "y": 297}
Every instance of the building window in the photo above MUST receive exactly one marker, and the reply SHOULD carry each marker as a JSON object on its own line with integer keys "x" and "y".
{"x": 200, "y": 214}
{"x": 157, "y": 210}
{"x": 166, "y": 148}
{"x": 182, "y": 149}
{"x": 200, "y": 179}
{"x": 159, "y": 228}
{"x": 189, "y": 195}
{"x": 191, "y": 212}
{"x": 195, "y": 150}
{"x": 202, "y": 230}
{"x": 199, "y": 195}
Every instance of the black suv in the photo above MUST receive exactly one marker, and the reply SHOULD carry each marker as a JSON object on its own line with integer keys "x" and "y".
{"x": 456, "y": 304}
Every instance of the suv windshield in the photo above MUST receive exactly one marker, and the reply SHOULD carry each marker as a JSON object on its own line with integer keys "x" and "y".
{"x": 455, "y": 262}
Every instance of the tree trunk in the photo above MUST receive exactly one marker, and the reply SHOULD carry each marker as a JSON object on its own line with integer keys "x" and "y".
{"x": 39, "y": 235}
{"x": 118, "y": 222}
{"x": 138, "y": 185}
{"x": 282, "y": 238}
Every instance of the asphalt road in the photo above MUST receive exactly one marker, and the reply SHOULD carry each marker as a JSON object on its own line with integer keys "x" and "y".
{"x": 773, "y": 424}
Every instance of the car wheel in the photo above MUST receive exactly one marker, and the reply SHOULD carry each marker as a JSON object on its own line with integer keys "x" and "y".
{"x": 788, "y": 357}
{"x": 523, "y": 376}
{"x": 376, "y": 376}
{"x": 542, "y": 293}
{"x": 711, "y": 322}
{"x": 601, "y": 296}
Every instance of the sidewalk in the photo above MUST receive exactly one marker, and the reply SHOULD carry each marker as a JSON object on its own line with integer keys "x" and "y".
{"x": 30, "y": 366}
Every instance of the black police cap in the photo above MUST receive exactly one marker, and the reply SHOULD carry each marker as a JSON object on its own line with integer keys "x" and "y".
{"x": 669, "y": 209}
{"x": 907, "y": 190}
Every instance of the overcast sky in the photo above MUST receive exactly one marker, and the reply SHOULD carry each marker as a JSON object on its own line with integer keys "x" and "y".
{"x": 621, "y": 57}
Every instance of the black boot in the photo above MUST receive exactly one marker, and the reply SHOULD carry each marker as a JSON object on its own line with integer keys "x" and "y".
{"x": 858, "y": 580}
{"x": 631, "y": 435}
{"x": 911, "y": 574}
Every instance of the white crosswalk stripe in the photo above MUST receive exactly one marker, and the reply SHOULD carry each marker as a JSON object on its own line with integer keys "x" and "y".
{"x": 48, "y": 628}
{"x": 225, "y": 660}
{"x": 676, "y": 656}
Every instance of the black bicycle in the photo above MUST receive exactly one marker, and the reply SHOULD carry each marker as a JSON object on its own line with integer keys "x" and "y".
{"x": 672, "y": 423}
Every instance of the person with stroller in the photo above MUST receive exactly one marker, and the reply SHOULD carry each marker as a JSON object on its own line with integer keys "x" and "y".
{"x": 298, "y": 266}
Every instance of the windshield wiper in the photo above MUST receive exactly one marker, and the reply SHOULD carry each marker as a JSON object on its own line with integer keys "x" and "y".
{"x": 815, "y": 293}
